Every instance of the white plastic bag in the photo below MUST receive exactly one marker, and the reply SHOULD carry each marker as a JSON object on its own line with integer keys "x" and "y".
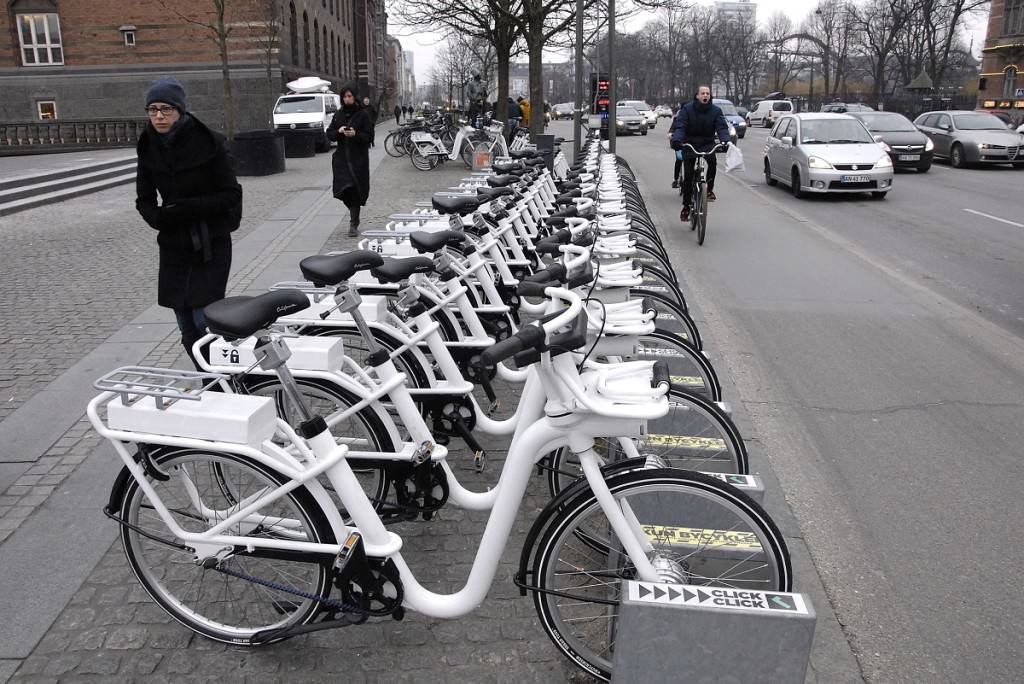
{"x": 733, "y": 159}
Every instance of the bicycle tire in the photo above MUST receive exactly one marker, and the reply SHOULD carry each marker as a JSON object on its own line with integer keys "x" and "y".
{"x": 656, "y": 280}
{"x": 703, "y": 531}
{"x": 176, "y": 582}
{"x": 421, "y": 161}
{"x": 702, "y": 216}
{"x": 393, "y": 146}
{"x": 695, "y": 210}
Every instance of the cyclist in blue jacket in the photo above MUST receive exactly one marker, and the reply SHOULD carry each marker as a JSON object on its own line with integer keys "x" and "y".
{"x": 701, "y": 124}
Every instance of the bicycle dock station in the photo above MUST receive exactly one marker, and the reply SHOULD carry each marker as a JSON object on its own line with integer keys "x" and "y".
{"x": 712, "y": 635}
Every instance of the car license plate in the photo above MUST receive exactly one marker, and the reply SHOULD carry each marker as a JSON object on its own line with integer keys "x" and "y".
{"x": 909, "y": 157}
{"x": 853, "y": 179}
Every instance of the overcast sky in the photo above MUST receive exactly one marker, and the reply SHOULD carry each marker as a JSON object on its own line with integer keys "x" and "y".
{"x": 423, "y": 45}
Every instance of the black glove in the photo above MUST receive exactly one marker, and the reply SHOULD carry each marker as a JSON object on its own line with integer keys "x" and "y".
{"x": 675, "y": 144}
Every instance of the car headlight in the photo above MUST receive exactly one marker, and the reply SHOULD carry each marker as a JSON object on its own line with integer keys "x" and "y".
{"x": 884, "y": 146}
{"x": 929, "y": 145}
{"x": 819, "y": 163}
{"x": 741, "y": 124}
{"x": 618, "y": 122}
{"x": 884, "y": 163}
{"x": 984, "y": 146}
{"x": 732, "y": 131}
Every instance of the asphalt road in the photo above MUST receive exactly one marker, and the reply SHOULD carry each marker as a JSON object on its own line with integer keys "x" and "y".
{"x": 877, "y": 346}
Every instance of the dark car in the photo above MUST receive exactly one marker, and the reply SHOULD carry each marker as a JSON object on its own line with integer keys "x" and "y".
{"x": 845, "y": 108}
{"x": 908, "y": 147}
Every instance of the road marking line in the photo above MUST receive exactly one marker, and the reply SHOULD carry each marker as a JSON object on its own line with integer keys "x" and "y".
{"x": 996, "y": 218}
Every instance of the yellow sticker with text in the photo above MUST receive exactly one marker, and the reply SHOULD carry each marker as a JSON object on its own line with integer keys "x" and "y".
{"x": 686, "y": 442}
{"x": 693, "y": 536}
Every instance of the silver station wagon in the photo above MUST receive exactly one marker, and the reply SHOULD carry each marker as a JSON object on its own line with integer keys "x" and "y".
{"x": 818, "y": 152}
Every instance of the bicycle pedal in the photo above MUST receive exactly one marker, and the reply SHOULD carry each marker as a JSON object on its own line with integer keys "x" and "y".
{"x": 495, "y": 405}
{"x": 479, "y": 460}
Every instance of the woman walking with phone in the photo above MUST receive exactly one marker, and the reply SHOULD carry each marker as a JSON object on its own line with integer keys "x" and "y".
{"x": 352, "y": 130}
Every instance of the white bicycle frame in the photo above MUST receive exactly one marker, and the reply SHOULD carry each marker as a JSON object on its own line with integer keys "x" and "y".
{"x": 589, "y": 416}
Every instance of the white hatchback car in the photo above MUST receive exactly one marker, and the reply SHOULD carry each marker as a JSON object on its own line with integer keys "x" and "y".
{"x": 816, "y": 152}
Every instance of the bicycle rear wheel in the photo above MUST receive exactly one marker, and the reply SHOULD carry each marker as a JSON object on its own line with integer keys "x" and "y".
{"x": 208, "y": 600}
{"x": 393, "y": 144}
{"x": 703, "y": 533}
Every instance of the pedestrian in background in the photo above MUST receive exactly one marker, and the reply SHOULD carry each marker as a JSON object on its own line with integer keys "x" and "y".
{"x": 352, "y": 130}
{"x": 200, "y": 202}
{"x": 515, "y": 115}
{"x": 398, "y": 114}
{"x": 524, "y": 107}
{"x": 372, "y": 111}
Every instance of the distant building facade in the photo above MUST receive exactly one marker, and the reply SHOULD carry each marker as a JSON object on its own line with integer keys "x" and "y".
{"x": 1001, "y": 85}
{"x": 88, "y": 59}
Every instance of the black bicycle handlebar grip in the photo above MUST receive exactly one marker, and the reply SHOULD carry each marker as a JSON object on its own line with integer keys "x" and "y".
{"x": 525, "y": 288}
{"x": 553, "y": 273}
{"x": 573, "y": 338}
{"x": 661, "y": 375}
{"x": 584, "y": 239}
{"x": 548, "y": 245}
{"x": 648, "y": 304}
{"x": 531, "y": 336}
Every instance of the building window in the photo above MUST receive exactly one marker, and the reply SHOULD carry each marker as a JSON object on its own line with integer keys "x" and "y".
{"x": 129, "y": 38}
{"x": 1013, "y": 13}
{"x": 327, "y": 51}
{"x": 47, "y": 110}
{"x": 1010, "y": 82}
{"x": 39, "y": 35}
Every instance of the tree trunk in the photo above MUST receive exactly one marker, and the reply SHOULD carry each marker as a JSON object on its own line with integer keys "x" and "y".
{"x": 225, "y": 68}
{"x": 501, "y": 97}
{"x": 535, "y": 50}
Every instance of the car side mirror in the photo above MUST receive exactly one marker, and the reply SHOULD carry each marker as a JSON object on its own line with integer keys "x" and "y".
{"x": 945, "y": 126}
{"x": 877, "y": 138}
{"x": 787, "y": 140}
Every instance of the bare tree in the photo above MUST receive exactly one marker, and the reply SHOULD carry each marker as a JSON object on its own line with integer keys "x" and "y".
{"x": 265, "y": 30}
{"x": 216, "y": 27}
{"x": 879, "y": 24}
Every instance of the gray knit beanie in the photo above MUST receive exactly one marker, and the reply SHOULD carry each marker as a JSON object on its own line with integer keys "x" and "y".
{"x": 167, "y": 89}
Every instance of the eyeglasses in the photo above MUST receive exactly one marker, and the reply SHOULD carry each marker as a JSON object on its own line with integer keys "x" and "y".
{"x": 165, "y": 111}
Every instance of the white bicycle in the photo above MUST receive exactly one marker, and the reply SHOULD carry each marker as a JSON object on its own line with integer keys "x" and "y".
{"x": 237, "y": 539}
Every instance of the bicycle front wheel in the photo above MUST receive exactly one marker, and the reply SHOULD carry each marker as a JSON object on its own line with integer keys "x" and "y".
{"x": 213, "y": 601}
{"x": 702, "y": 531}
{"x": 702, "y": 215}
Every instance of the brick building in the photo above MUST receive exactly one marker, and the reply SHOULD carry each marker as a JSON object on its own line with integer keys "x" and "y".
{"x": 94, "y": 59}
{"x": 1002, "y": 65}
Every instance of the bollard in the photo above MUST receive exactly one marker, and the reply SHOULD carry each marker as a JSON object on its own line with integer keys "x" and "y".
{"x": 301, "y": 143}
{"x": 257, "y": 153}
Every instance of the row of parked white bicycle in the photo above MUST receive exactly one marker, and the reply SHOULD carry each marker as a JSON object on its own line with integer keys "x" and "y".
{"x": 529, "y": 303}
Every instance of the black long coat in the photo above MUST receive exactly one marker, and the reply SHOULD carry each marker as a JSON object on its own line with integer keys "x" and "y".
{"x": 351, "y": 161}
{"x": 201, "y": 205}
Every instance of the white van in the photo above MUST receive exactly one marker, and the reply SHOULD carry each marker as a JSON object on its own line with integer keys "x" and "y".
{"x": 309, "y": 105}
{"x": 767, "y": 112}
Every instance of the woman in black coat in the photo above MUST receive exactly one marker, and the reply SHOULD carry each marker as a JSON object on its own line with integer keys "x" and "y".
{"x": 200, "y": 203}
{"x": 352, "y": 130}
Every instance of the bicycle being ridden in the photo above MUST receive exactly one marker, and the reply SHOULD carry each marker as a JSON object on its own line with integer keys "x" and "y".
{"x": 698, "y": 124}
{"x": 701, "y": 182}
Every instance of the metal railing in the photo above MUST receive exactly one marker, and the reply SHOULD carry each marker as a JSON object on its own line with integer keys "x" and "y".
{"x": 22, "y": 137}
